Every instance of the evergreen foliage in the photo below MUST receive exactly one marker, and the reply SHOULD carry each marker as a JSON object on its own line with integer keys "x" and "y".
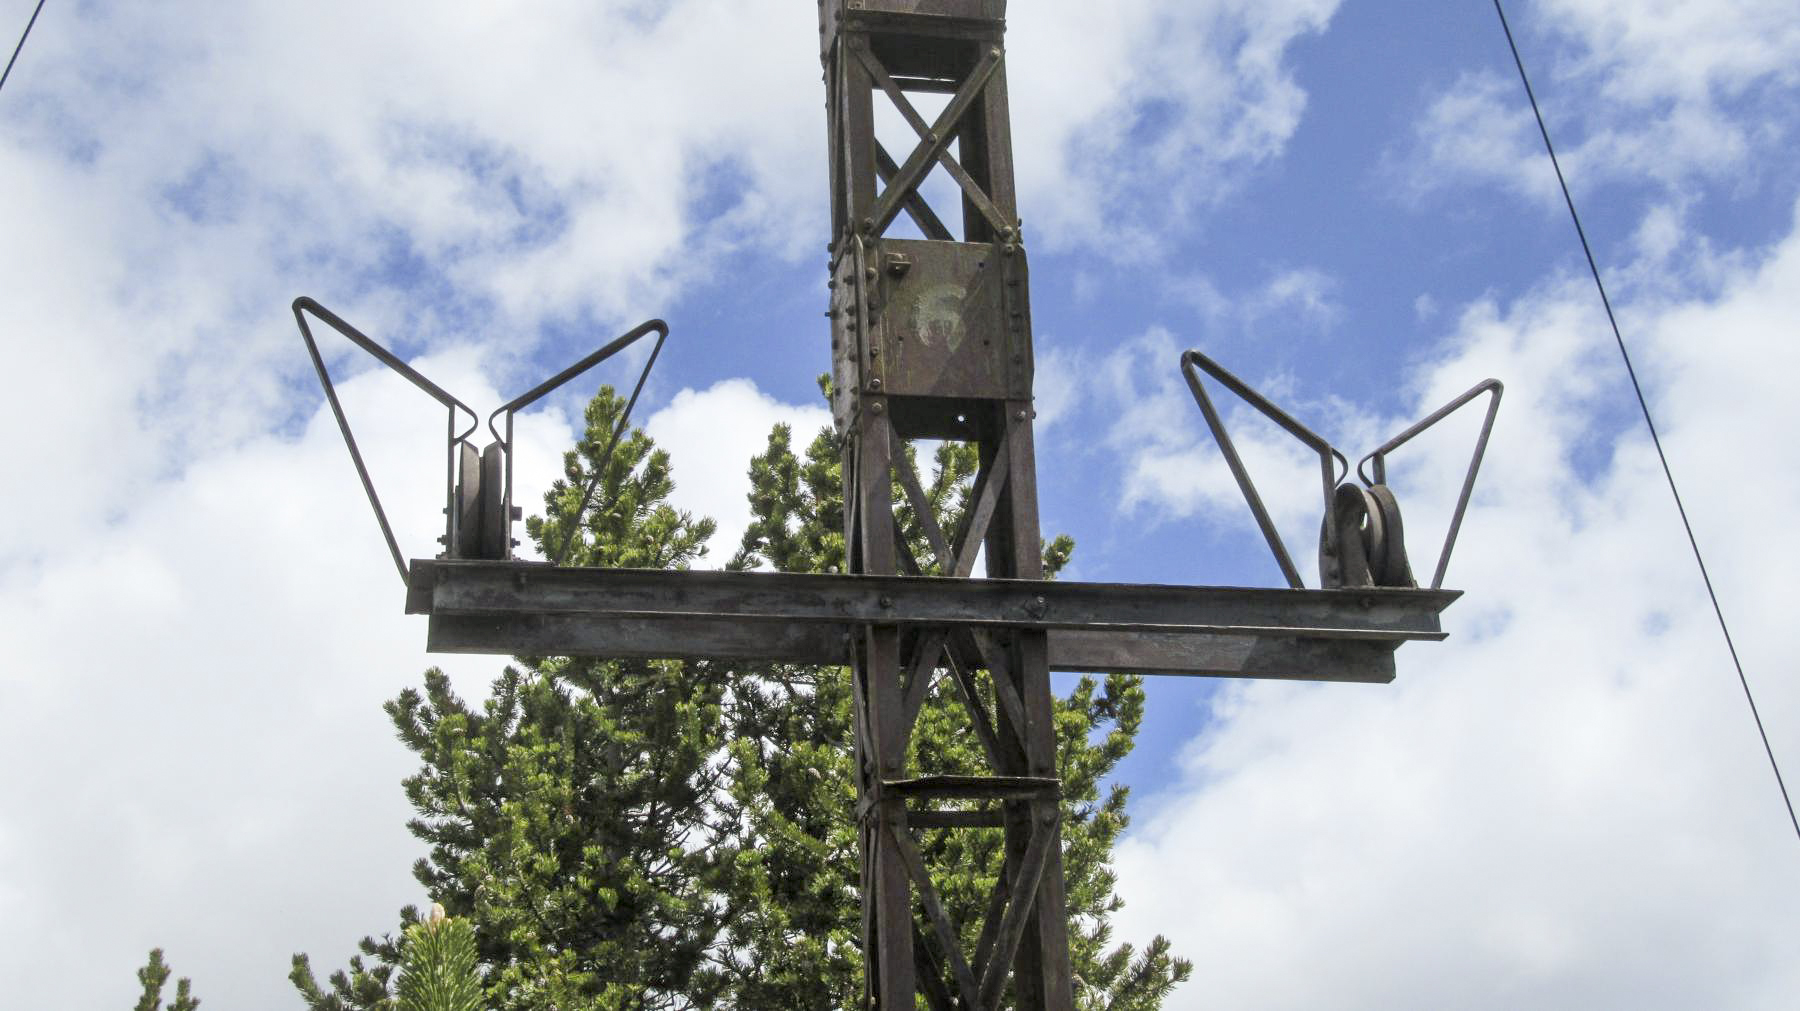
{"x": 440, "y": 971}
{"x": 153, "y": 976}
{"x": 668, "y": 835}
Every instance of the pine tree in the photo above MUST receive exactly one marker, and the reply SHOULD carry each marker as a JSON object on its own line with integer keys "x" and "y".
{"x": 153, "y": 976}
{"x": 629, "y": 834}
{"x": 439, "y": 971}
{"x": 567, "y": 815}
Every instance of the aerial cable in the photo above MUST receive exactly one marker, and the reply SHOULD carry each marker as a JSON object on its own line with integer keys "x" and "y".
{"x": 22, "y": 37}
{"x": 1644, "y": 405}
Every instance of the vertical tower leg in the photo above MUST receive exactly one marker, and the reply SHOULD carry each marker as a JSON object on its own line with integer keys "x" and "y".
{"x": 1042, "y": 976}
{"x": 931, "y": 339}
{"x": 887, "y": 896}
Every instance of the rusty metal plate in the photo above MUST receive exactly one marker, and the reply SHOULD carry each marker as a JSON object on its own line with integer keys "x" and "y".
{"x": 942, "y": 329}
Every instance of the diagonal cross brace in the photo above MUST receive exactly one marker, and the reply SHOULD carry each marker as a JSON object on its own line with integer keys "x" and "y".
{"x": 956, "y": 559}
{"x": 929, "y": 137}
{"x": 933, "y": 141}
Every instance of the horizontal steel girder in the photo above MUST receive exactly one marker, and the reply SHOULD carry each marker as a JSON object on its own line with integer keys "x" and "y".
{"x": 536, "y": 609}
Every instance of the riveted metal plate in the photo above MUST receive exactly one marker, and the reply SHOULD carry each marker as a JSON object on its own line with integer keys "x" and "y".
{"x": 943, "y": 327}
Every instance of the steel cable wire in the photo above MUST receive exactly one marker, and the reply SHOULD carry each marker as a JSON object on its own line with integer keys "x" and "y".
{"x": 22, "y": 37}
{"x": 1644, "y": 405}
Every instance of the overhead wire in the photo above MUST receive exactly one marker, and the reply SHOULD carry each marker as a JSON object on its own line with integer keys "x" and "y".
{"x": 22, "y": 37}
{"x": 1649, "y": 422}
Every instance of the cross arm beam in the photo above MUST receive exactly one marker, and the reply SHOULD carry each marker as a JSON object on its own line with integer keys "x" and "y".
{"x": 531, "y": 608}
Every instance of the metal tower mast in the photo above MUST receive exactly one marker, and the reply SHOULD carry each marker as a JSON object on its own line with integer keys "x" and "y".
{"x": 931, "y": 339}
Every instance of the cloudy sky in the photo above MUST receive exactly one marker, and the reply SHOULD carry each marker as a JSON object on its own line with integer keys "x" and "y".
{"x": 1563, "y": 806}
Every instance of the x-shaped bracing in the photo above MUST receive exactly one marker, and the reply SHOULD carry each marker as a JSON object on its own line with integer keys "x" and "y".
{"x": 960, "y": 652}
{"x": 903, "y": 181}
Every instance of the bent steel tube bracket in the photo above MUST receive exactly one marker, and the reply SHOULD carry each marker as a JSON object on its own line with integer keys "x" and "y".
{"x": 1379, "y": 459}
{"x": 1378, "y": 513}
{"x": 1192, "y": 360}
{"x": 304, "y": 305}
{"x": 543, "y": 389}
{"x": 489, "y": 506}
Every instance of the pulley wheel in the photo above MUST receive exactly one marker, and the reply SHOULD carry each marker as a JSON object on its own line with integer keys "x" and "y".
{"x": 1388, "y": 560}
{"x": 1369, "y": 548}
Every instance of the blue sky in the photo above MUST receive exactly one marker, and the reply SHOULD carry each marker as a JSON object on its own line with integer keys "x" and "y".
{"x": 1562, "y": 806}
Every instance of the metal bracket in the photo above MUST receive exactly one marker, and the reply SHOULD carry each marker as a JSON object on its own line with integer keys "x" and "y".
{"x": 1361, "y": 540}
{"x": 1379, "y": 458}
{"x": 304, "y": 305}
{"x": 1330, "y": 475}
{"x": 478, "y": 485}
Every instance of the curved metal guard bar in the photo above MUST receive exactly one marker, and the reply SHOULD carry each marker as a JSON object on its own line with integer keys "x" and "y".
{"x": 304, "y": 305}
{"x": 1379, "y": 460}
{"x": 1191, "y": 360}
{"x": 545, "y": 388}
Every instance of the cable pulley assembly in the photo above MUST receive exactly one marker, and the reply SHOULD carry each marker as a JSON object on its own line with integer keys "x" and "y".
{"x": 1362, "y": 541}
{"x": 478, "y": 483}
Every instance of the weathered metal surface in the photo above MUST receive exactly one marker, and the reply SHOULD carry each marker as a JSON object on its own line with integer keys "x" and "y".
{"x": 1203, "y": 654}
{"x": 932, "y": 339}
{"x": 1178, "y": 654}
{"x": 914, "y": 18}
{"x": 1182, "y": 654}
{"x": 942, "y": 326}
{"x": 525, "y": 588}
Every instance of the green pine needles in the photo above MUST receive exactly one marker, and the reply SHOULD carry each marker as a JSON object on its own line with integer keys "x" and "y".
{"x": 664, "y": 836}
{"x": 153, "y": 976}
{"x": 439, "y": 970}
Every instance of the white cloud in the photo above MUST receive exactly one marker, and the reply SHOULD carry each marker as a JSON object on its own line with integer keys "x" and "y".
{"x": 1171, "y": 466}
{"x": 194, "y": 711}
{"x": 1126, "y": 120}
{"x": 1565, "y": 805}
{"x": 1660, "y": 91}
{"x": 476, "y": 173}
{"x": 1287, "y": 302}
